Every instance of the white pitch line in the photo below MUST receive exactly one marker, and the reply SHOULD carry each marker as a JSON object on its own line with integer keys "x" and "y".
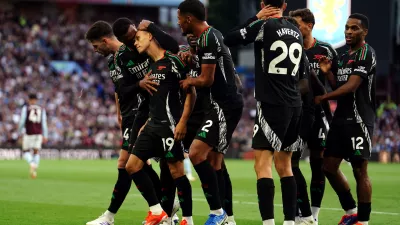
{"x": 280, "y": 205}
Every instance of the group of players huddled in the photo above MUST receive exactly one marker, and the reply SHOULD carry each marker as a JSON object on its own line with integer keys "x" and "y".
{"x": 176, "y": 102}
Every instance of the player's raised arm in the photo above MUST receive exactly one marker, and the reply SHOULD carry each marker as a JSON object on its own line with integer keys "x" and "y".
{"x": 165, "y": 40}
{"x": 245, "y": 35}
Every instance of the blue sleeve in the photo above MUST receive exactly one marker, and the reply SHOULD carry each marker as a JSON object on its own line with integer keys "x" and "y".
{"x": 22, "y": 119}
{"x": 44, "y": 124}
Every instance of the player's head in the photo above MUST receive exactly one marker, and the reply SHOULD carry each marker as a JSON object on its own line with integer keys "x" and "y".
{"x": 305, "y": 19}
{"x": 32, "y": 98}
{"x": 190, "y": 13}
{"x": 356, "y": 29}
{"x": 281, "y": 4}
{"x": 143, "y": 40}
{"x": 100, "y": 35}
{"x": 125, "y": 31}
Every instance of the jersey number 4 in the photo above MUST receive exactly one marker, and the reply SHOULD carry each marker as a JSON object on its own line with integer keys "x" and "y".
{"x": 35, "y": 116}
{"x": 272, "y": 69}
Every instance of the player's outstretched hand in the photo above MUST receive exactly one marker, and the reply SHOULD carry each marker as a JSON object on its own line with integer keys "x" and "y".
{"x": 180, "y": 131}
{"x": 267, "y": 12}
{"x": 148, "y": 84}
{"x": 185, "y": 84}
{"x": 318, "y": 99}
{"x": 144, "y": 24}
{"x": 325, "y": 64}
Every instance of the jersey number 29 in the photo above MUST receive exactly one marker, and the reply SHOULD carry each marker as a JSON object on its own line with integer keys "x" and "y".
{"x": 272, "y": 69}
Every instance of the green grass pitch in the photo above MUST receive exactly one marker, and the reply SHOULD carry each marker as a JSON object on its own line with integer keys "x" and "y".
{"x": 74, "y": 192}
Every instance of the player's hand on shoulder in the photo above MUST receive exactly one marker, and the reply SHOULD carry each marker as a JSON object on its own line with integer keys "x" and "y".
{"x": 186, "y": 57}
{"x": 325, "y": 64}
{"x": 144, "y": 24}
{"x": 267, "y": 12}
{"x": 180, "y": 131}
{"x": 186, "y": 83}
{"x": 148, "y": 84}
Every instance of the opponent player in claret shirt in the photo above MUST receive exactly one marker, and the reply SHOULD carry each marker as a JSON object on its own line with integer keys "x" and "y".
{"x": 278, "y": 46}
{"x": 165, "y": 129}
{"x": 352, "y": 125}
{"x": 125, "y": 31}
{"x": 127, "y": 79}
{"x": 223, "y": 111}
{"x": 34, "y": 120}
{"x": 315, "y": 49}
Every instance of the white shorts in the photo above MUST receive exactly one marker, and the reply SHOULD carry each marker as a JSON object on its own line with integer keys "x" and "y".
{"x": 32, "y": 142}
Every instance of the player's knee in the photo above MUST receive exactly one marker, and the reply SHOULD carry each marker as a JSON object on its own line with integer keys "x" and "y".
{"x": 132, "y": 168}
{"x": 263, "y": 169}
{"x": 197, "y": 156}
{"x": 283, "y": 169}
{"x": 215, "y": 160}
{"x": 35, "y": 151}
{"x": 176, "y": 169}
{"x": 122, "y": 159}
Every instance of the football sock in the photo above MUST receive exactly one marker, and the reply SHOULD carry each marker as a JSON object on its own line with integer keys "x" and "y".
{"x": 185, "y": 195}
{"x": 36, "y": 159}
{"x": 347, "y": 201}
{"x": 168, "y": 188}
{"x": 269, "y": 222}
{"x": 289, "y": 191}
{"x": 188, "y": 166}
{"x": 364, "y": 211}
{"x": 109, "y": 214}
{"x": 315, "y": 212}
{"x": 221, "y": 186}
{"x": 228, "y": 194}
{"x": 152, "y": 174}
{"x": 121, "y": 189}
{"x": 145, "y": 187}
{"x": 156, "y": 209}
{"x": 302, "y": 196}
{"x": 266, "y": 192}
{"x": 209, "y": 184}
{"x": 317, "y": 186}
{"x": 28, "y": 157}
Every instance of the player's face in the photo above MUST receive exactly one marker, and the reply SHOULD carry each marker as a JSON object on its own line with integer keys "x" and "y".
{"x": 142, "y": 41}
{"x": 129, "y": 38}
{"x": 184, "y": 21}
{"x": 304, "y": 27}
{"x": 354, "y": 32}
{"x": 101, "y": 47}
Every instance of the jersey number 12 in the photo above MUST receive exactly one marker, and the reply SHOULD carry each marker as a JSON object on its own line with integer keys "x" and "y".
{"x": 272, "y": 69}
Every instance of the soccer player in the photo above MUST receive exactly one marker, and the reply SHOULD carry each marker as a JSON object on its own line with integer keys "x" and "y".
{"x": 315, "y": 49}
{"x": 352, "y": 125}
{"x": 128, "y": 81}
{"x": 125, "y": 31}
{"x": 223, "y": 108}
{"x": 165, "y": 129}
{"x": 34, "y": 120}
{"x": 278, "y": 47}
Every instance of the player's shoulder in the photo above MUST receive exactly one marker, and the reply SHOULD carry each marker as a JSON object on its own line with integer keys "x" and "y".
{"x": 207, "y": 38}
{"x": 326, "y": 46}
{"x": 110, "y": 59}
{"x": 366, "y": 52}
{"x": 175, "y": 59}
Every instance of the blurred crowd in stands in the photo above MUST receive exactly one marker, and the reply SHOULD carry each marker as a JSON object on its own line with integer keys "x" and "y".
{"x": 80, "y": 105}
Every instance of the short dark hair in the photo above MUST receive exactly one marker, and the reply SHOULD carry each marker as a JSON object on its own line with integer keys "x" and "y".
{"x": 99, "y": 30}
{"x": 364, "y": 19}
{"x": 32, "y": 96}
{"x": 305, "y": 14}
{"x": 194, "y": 7}
{"x": 274, "y": 3}
{"x": 121, "y": 26}
{"x": 292, "y": 21}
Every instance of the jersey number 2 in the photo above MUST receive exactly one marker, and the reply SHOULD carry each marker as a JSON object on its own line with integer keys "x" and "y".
{"x": 35, "y": 116}
{"x": 285, "y": 52}
{"x": 209, "y": 123}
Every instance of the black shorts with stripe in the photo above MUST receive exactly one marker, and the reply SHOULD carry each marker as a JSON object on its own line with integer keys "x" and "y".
{"x": 193, "y": 125}
{"x": 349, "y": 141}
{"x": 140, "y": 120}
{"x": 276, "y": 127}
{"x": 159, "y": 142}
{"x": 126, "y": 128}
{"x": 218, "y": 127}
{"x": 306, "y": 125}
